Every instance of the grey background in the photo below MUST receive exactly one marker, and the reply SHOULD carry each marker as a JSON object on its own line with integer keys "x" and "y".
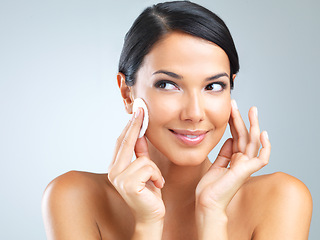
{"x": 60, "y": 108}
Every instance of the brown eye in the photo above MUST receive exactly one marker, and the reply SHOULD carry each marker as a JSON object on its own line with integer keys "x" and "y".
{"x": 162, "y": 85}
{"x": 216, "y": 86}
{"x": 167, "y": 85}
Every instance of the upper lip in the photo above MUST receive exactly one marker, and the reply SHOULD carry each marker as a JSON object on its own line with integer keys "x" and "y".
{"x": 189, "y": 132}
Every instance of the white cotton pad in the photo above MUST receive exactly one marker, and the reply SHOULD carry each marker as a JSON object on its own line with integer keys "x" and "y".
{"x": 138, "y": 102}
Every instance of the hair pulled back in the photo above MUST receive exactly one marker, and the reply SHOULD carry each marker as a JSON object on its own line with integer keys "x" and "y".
{"x": 156, "y": 21}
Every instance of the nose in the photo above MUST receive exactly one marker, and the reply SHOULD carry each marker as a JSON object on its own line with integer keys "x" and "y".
{"x": 193, "y": 108}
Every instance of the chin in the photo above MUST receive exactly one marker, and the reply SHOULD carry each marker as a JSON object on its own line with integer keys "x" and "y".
{"x": 189, "y": 158}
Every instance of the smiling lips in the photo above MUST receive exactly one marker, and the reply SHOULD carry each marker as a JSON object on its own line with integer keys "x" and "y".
{"x": 190, "y": 138}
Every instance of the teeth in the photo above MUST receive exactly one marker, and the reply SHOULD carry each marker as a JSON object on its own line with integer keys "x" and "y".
{"x": 191, "y": 136}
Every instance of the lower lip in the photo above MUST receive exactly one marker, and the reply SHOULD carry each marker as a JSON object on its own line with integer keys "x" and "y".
{"x": 190, "y": 141}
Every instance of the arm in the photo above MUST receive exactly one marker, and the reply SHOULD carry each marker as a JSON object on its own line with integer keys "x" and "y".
{"x": 66, "y": 209}
{"x": 288, "y": 212}
{"x": 212, "y": 224}
{"x": 144, "y": 231}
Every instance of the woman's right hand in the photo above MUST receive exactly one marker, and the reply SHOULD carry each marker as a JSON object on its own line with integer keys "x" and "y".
{"x": 138, "y": 182}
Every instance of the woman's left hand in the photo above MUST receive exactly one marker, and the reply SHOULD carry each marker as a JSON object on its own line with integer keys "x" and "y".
{"x": 218, "y": 186}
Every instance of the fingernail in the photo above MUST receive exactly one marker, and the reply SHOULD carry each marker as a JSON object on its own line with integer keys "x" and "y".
{"x": 234, "y": 104}
{"x": 256, "y": 111}
{"x": 136, "y": 113}
{"x": 266, "y": 133}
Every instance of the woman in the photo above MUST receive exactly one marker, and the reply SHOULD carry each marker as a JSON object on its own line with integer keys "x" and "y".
{"x": 181, "y": 60}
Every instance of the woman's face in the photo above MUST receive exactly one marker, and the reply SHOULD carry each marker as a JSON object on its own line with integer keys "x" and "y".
{"x": 184, "y": 81}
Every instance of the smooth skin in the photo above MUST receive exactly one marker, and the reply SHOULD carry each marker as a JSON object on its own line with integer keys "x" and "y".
{"x": 171, "y": 190}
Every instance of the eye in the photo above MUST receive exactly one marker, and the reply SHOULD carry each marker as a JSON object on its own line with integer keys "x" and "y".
{"x": 167, "y": 85}
{"x": 216, "y": 86}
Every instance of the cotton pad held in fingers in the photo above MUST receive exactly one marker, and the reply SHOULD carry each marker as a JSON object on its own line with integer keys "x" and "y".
{"x": 138, "y": 102}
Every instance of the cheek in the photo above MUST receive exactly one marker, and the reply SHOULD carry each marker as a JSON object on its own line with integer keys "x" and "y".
{"x": 219, "y": 112}
{"x": 161, "y": 110}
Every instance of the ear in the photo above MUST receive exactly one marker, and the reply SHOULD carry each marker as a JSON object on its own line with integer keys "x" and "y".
{"x": 234, "y": 76}
{"x": 126, "y": 92}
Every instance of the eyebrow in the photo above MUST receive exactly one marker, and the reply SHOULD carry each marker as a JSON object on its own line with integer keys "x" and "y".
{"x": 177, "y": 76}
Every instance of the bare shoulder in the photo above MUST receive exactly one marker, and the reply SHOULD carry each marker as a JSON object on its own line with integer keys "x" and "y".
{"x": 278, "y": 181}
{"x": 284, "y": 204}
{"x": 280, "y": 186}
{"x": 75, "y": 183}
{"x": 69, "y": 205}
{"x": 83, "y": 186}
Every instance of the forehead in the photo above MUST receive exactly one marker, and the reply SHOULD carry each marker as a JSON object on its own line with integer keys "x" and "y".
{"x": 186, "y": 54}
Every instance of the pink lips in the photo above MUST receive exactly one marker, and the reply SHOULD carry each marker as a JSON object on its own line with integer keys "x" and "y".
{"x": 189, "y": 137}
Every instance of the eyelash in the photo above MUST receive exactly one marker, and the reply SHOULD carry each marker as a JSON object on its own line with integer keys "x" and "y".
{"x": 222, "y": 84}
{"x": 158, "y": 84}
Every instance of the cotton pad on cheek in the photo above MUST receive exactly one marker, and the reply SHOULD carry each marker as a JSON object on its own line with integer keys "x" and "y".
{"x": 138, "y": 102}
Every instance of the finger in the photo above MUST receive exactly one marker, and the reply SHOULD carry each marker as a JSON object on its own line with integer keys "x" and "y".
{"x": 118, "y": 143}
{"x": 149, "y": 173}
{"x": 127, "y": 144}
{"x": 241, "y": 129}
{"x": 234, "y": 135}
{"x": 265, "y": 151}
{"x": 140, "y": 162}
{"x": 142, "y": 176}
{"x": 263, "y": 159}
{"x": 254, "y": 136}
{"x": 224, "y": 155}
{"x": 141, "y": 147}
{"x": 138, "y": 173}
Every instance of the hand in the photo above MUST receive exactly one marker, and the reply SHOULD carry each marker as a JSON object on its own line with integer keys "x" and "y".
{"x": 139, "y": 182}
{"x": 218, "y": 186}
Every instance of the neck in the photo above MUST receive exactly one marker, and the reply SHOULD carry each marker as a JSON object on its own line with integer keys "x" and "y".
{"x": 180, "y": 181}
